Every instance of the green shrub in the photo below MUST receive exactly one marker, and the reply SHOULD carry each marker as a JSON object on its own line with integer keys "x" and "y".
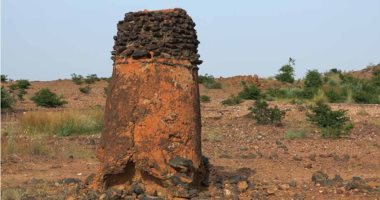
{"x": 313, "y": 79}
{"x": 13, "y": 86}
{"x": 77, "y": 79}
{"x": 336, "y": 94}
{"x": 295, "y": 134}
{"x": 332, "y": 123}
{"x": 4, "y": 78}
{"x": 204, "y": 98}
{"x": 209, "y": 82}
{"x": 263, "y": 114}
{"x": 20, "y": 94}
{"x": 232, "y": 100}
{"x": 250, "y": 92}
{"x": 85, "y": 89}
{"x": 7, "y": 99}
{"x": 23, "y": 84}
{"x": 92, "y": 78}
{"x": 46, "y": 98}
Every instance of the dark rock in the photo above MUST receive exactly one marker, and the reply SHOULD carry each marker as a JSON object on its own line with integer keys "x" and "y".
{"x": 181, "y": 164}
{"x": 297, "y": 158}
{"x": 321, "y": 178}
{"x": 312, "y": 157}
{"x": 356, "y": 183}
{"x": 89, "y": 179}
{"x": 138, "y": 54}
{"x": 138, "y": 189}
{"x": 70, "y": 181}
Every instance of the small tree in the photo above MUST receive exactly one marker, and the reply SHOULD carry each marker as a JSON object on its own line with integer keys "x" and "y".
{"x": 4, "y": 78}
{"x": 92, "y": 78}
{"x": 313, "y": 79}
{"x": 286, "y": 72}
{"x": 7, "y": 99}
{"x": 77, "y": 79}
{"x": 46, "y": 98}
{"x": 263, "y": 114}
{"x": 332, "y": 123}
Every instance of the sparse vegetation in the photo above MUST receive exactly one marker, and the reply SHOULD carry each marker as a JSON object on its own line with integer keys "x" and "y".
{"x": 77, "y": 79}
{"x": 63, "y": 123}
{"x": 250, "y": 92}
{"x": 295, "y": 134}
{"x": 209, "y": 82}
{"x": 20, "y": 94}
{"x": 232, "y": 100}
{"x": 7, "y": 99}
{"x": 263, "y": 114}
{"x": 23, "y": 84}
{"x": 85, "y": 90}
{"x": 332, "y": 123}
{"x": 46, "y": 98}
{"x": 92, "y": 78}
{"x": 205, "y": 98}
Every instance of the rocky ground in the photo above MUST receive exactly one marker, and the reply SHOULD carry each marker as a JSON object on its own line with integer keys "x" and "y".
{"x": 247, "y": 161}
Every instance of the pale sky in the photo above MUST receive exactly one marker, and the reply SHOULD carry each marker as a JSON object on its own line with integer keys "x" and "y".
{"x": 47, "y": 39}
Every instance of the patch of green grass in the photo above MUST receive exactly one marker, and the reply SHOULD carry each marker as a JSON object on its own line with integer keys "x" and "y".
{"x": 63, "y": 123}
{"x": 204, "y": 98}
{"x": 295, "y": 134}
{"x": 12, "y": 193}
{"x": 232, "y": 100}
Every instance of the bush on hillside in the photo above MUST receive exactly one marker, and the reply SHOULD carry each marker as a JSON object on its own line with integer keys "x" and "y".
{"x": 332, "y": 123}
{"x": 92, "y": 78}
{"x": 46, "y": 98}
{"x": 263, "y": 114}
{"x": 209, "y": 82}
{"x": 85, "y": 90}
{"x": 313, "y": 79}
{"x": 286, "y": 74}
{"x": 20, "y": 84}
{"x": 7, "y": 99}
{"x": 4, "y": 78}
{"x": 20, "y": 94}
{"x": 232, "y": 100}
{"x": 77, "y": 79}
{"x": 250, "y": 92}
{"x": 205, "y": 98}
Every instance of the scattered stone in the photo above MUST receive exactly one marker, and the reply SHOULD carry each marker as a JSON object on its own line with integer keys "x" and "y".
{"x": 312, "y": 157}
{"x": 297, "y": 158}
{"x": 284, "y": 186}
{"x": 242, "y": 186}
{"x": 346, "y": 158}
{"x": 293, "y": 183}
{"x": 298, "y": 196}
{"x": 356, "y": 183}
{"x": 271, "y": 189}
{"x": 321, "y": 178}
{"x": 308, "y": 166}
{"x": 70, "y": 181}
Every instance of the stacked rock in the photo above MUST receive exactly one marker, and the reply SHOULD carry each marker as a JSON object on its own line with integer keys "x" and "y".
{"x": 165, "y": 34}
{"x": 152, "y": 127}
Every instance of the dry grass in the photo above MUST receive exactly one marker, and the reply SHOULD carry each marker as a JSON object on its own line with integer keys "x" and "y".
{"x": 63, "y": 123}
